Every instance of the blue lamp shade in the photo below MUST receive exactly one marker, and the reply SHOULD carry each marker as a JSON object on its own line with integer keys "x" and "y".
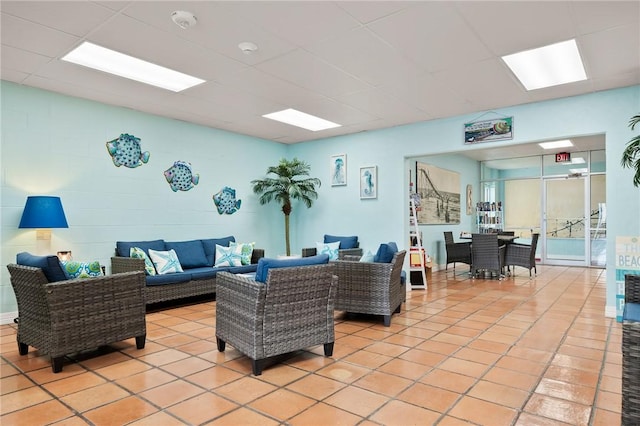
{"x": 43, "y": 212}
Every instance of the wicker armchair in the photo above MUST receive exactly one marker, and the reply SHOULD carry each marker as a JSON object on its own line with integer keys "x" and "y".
{"x": 523, "y": 255}
{"x": 371, "y": 288}
{"x": 66, "y": 317}
{"x": 631, "y": 351}
{"x": 487, "y": 254}
{"x": 456, "y": 252}
{"x": 353, "y": 246}
{"x": 292, "y": 310}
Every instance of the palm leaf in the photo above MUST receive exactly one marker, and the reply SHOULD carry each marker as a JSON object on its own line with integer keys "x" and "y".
{"x": 631, "y": 154}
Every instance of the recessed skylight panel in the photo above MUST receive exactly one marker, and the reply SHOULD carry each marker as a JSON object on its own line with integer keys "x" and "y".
{"x": 301, "y": 119}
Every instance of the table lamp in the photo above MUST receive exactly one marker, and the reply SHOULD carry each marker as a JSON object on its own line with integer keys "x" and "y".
{"x": 43, "y": 213}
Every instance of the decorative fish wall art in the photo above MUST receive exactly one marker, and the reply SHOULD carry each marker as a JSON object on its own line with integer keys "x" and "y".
{"x": 226, "y": 202}
{"x": 180, "y": 176}
{"x": 126, "y": 151}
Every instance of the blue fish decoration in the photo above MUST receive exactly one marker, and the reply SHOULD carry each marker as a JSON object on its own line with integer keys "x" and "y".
{"x": 181, "y": 177}
{"x": 226, "y": 202}
{"x": 126, "y": 151}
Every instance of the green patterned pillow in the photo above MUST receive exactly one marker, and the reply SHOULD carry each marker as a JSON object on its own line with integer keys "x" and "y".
{"x": 246, "y": 250}
{"x": 82, "y": 269}
{"x": 138, "y": 253}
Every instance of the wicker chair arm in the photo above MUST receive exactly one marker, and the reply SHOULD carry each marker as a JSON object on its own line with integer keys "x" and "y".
{"x": 350, "y": 257}
{"x": 257, "y": 255}
{"x": 121, "y": 264}
{"x": 309, "y": 251}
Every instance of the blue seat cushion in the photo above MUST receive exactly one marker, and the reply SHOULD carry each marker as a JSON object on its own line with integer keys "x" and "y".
{"x": 205, "y": 273}
{"x": 190, "y": 253}
{"x": 181, "y": 277}
{"x": 50, "y": 265}
{"x": 385, "y": 252}
{"x": 348, "y": 242}
{"x": 244, "y": 269}
{"x": 210, "y": 247}
{"x": 123, "y": 248}
{"x": 265, "y": 263}
{"x": 631, "y": 312}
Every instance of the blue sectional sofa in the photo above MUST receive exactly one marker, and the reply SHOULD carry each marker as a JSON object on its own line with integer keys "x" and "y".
{"x": 197, "y": 259}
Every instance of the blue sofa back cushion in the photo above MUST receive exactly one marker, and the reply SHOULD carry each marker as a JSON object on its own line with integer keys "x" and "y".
{"x": 210, "y": 247}
{"x": 50, "y": 265}
{"x": 190, "y": 253}
{"x": 265, "y": 263}
{"x": 124, "y": 247}
{"x": 385, "y": 252}
{"x": 345, "y": 242}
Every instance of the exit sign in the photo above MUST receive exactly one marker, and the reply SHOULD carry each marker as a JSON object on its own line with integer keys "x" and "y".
{"x": 563, "y": 157}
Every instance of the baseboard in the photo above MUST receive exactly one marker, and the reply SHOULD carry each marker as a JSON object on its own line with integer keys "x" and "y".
{"x": 7, "y": 317}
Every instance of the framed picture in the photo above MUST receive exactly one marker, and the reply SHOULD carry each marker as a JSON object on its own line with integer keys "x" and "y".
{"x": 368, "y": 182}
{"x": 338, "y": 169}
{"x": 488, "y": 130}
{"x": 439, "y": 191}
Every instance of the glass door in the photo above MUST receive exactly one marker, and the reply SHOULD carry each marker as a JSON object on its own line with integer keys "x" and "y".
{"x": 564, "y": 222}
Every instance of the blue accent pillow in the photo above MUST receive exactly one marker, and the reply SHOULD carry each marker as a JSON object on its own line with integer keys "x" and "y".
{"x": 50, "y": 265}
{"x": 190, "y": 253}
{"x": 265, "y": 263}
{"x": 345, "y": 242}
{"x": 210, "y": 247}
{"x": 124, "y": 247}
{"x": 385, "y": 252}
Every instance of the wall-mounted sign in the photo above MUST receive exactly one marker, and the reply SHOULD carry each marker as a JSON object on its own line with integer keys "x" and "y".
{"x": 627, "y": 262}
{"x": 488, "y": 130}
{"x": 563, "y": 157}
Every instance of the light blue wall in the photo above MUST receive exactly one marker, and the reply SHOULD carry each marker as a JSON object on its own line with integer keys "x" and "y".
{"x": 53, "y": 144}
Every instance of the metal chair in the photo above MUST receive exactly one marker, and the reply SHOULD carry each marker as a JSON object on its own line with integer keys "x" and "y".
{"x": 487, "y": 254}
{"x": 523, "y": 255}
{"x": 456, "y": 252}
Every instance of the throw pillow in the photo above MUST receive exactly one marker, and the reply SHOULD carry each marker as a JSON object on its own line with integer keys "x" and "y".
{"x": 210, "y": 247}
{"x": 385, "y": 252}
{"x": 50, "y": 265}
{"x": 83, "y": 269}
{"x": 228, "y": 256}
{"x": 190, "y": 253}
{"x": 138, "y": 253}
{"x": 345, "y": 242}
{"x": 246, "y": 250}
{"x": 166, "y": 262}
{"x": 328, "y": 248}
{"x": 367, "y": 257}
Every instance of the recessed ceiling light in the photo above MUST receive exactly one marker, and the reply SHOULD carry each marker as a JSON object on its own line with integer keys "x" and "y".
{"x": 547, "y": 66}
{"x": 556, "y": 144}
{"x": 301, "y": 119}
{"x": 107, "y": 60}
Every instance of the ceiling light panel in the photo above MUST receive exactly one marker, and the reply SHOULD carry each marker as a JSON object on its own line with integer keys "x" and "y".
{"x": 107, "y": 60}
{"x": 547, "y": 66}
{"x": 301, "y": 119}
{"x": 556, "y": 144}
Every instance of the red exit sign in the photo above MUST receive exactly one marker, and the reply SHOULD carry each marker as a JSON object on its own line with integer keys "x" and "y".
{"x": 563, "y": 157}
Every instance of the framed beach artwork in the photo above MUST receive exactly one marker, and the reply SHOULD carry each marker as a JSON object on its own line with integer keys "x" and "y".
{"x": 338, "y": 169}
{"x": 439, "y": 190}
{"x": 368, "y": 182}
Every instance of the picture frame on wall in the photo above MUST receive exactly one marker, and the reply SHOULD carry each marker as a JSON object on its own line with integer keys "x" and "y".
{"x": 368, "y": 182}
{"x": 338, "y": 169}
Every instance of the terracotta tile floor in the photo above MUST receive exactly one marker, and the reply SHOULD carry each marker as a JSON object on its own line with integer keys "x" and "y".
{"x": 474, "y": 352}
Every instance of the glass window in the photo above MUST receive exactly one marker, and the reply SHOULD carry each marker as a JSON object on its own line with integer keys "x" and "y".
{"x": 598, "y": 162}
{"x": 578, "y": 165}
{"x": 510, "y": 168}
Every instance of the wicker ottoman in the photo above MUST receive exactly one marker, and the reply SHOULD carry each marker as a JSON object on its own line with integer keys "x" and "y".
{"x": 631, "y": 352}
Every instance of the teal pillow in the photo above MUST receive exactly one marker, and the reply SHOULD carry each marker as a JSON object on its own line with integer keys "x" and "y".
{"x": 328, "y": 248}
{"x": 166, "y": 262}
{"x": 265, "y": 263}
{"x": 246, "y": 251}
{"x": 82, "y": 269}
{"x": 210, "y": 247}
{"x": 138, "y": 253}
{"x": 367, "y": 257}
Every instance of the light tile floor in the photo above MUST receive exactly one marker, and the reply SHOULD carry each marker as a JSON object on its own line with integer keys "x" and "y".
{"x": 514, "y": 352}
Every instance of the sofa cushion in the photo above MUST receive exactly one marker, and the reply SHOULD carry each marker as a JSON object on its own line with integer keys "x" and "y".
{"x": 138, "y": 253}
{"x": 246, "y": 250}
{"x": 244, "y": 269}
{"x": 205, "y": 273}
{"x": 328, "y": 248}
{"x": 166, "y": 262}
{"x": 190, "y": 253}
{"x": 266, "y": 263}
{"x": 76, "y": 269}
{"x": 210, "y": 247}
{"x": 345, "y": 242}
{"x": 385, "y": 252}
{"x": 228, "y": 256}
{"x": 50, "y": 265}
{"x": 123, "y": 248}
{"x": 181, "y": 277}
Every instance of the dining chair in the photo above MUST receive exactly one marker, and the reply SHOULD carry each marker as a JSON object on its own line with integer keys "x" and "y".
{"x": 456, "y": 252}
{"x": 487, "y": 254}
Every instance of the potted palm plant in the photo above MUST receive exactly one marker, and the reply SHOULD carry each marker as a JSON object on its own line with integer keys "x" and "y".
{"x": 631, "y": 154}
{"x": 288, "y": 182}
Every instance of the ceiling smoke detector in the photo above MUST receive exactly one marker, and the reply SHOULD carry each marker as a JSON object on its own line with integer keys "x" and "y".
{"x": 247, "y": 47}
{"x": 184, "y": 19}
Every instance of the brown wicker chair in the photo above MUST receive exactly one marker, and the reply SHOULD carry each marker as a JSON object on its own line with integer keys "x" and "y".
{"x": 371, "y": 288}
{"x": 631, "y": 352}
{"x": 342, "y": 252}
{"x": 292, "y": 310}
{"x": 486, "y": 254}
{"x": 523, "y": 255}
{"x": 66, "y": 317}
{"x": 456, "y": 252}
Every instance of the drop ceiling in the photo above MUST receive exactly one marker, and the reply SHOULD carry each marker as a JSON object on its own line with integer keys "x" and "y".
{"x": 365, "y": 65}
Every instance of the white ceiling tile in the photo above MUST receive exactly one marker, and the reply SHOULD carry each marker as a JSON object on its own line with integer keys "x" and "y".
{"x": 22, "y": 60}
{"x": 591, "y": 16}
{"x": 381, "y": 105}
{"x": 601, "y": 60}
{"x": 368, "y": 11}
{"x": 20, "y": 33}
